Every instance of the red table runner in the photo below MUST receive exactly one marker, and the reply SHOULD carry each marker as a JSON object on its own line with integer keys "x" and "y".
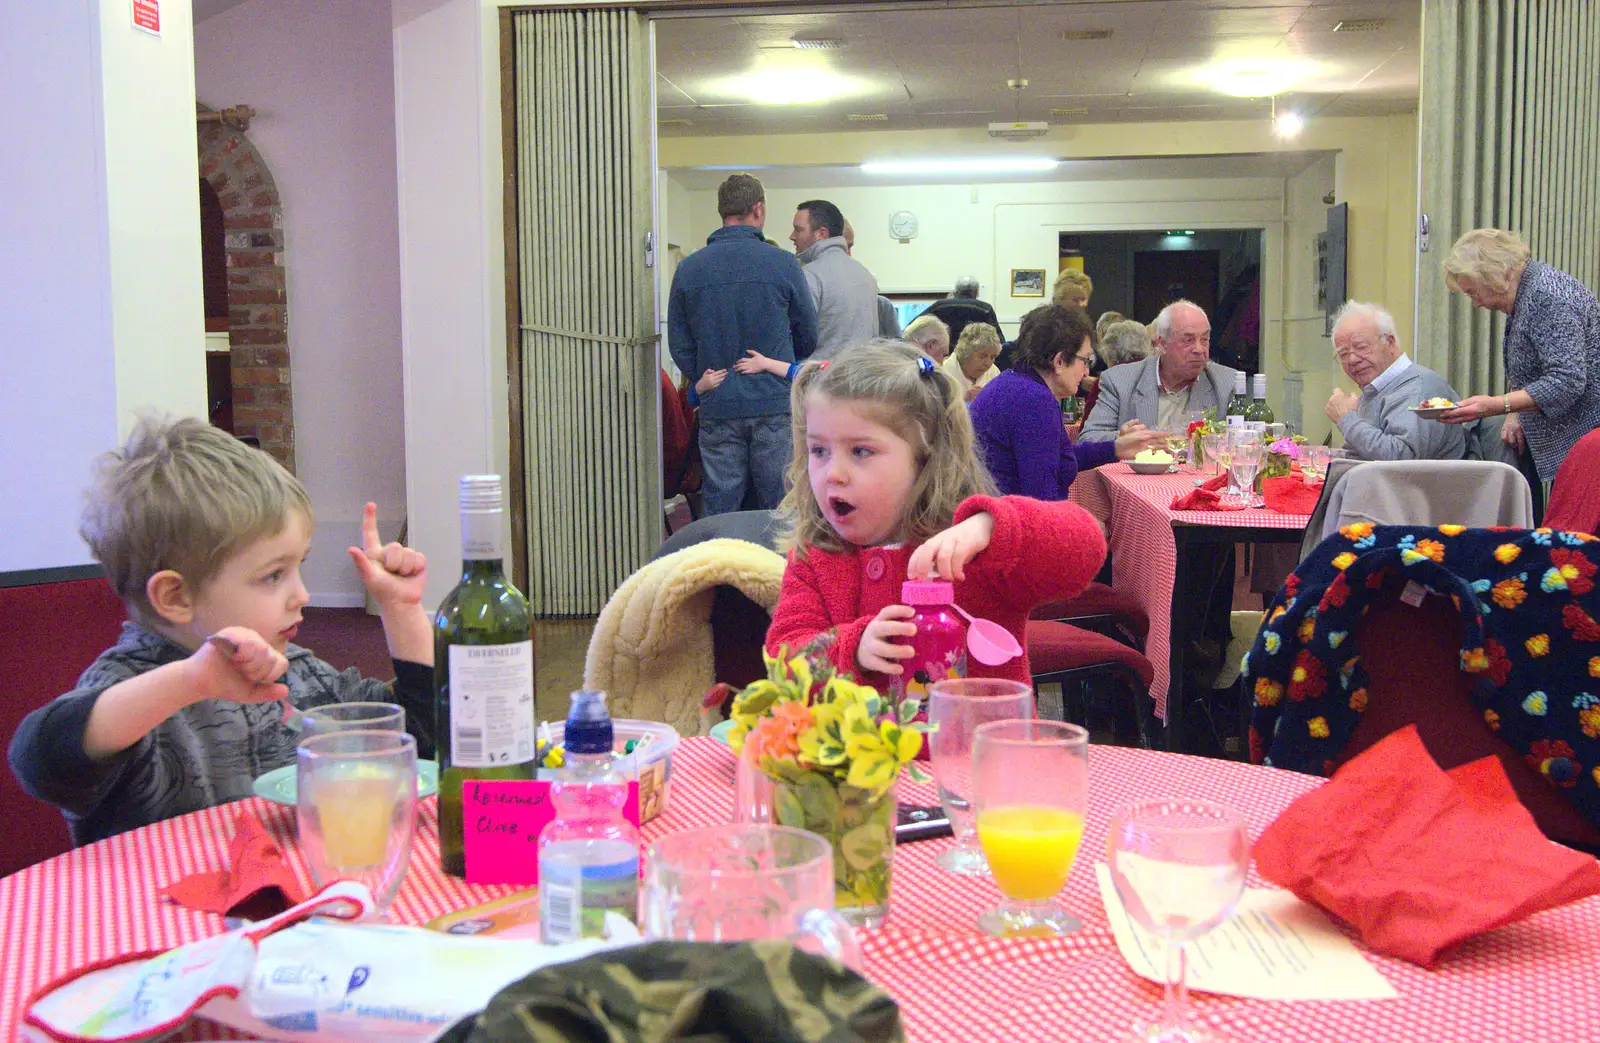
{"x": 951, "y": 982}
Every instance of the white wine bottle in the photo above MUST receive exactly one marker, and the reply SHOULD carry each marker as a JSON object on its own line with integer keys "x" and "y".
{"x": 1259, "y": 412}
{"x": 483, "y": 669}
{"x": 1239, "y": 404}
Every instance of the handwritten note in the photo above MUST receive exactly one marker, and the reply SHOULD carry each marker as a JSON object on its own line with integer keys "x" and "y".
{"x": 1274, "y": 947}
{"x": 502, "y": 820}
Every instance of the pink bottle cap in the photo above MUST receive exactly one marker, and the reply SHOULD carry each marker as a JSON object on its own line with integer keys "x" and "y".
{"x": 932, "y": 592}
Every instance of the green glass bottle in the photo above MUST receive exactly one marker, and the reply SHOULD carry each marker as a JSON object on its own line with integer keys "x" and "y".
{"x": 483, "y": 668}
{"x": 1259, "y": 412}
{"x": 1239, "y": 404}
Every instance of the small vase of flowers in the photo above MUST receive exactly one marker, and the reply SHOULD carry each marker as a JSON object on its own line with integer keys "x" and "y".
{"x": 832, "y": 749}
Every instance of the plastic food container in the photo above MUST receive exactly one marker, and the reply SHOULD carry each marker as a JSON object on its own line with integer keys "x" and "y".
{"x": 652, "y": 765}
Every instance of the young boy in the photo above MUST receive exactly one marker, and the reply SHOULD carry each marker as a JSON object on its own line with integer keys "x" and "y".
{"x": 202, "y": 535}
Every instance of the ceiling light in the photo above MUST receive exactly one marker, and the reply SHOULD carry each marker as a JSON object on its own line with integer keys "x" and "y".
{"x": 1086, "y": 34}
{"x": 1253, "y": 80}
{"x": 1360, "y": 25}
{"x": 1010, "y": 165}
{"x": 868, "y": 117}
{"x": 1288, "y": 124}
{"x": 818, "y": 44}
{"x": 792, "y": 85}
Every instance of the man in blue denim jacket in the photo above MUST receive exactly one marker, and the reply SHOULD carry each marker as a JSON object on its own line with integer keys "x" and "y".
{"x": 740, "y": 294}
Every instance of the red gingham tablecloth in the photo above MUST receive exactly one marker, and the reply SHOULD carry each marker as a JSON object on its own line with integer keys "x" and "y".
{"x": 1524, "y": 981}
{"x": 1136, "y": 510}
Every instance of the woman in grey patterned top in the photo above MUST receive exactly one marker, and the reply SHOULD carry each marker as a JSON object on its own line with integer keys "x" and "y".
{"x": 1551, "y": 345}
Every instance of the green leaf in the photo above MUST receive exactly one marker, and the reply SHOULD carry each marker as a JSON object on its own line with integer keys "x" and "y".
{"x": 864, "y": 846}
{"x": 820, "y": 799}
{"x": 917, "y": 774}
{"x": 786, "y": 804}
{"x": 908, "y": 710}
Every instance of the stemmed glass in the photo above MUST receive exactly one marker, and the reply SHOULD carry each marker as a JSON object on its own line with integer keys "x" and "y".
{"x": 1030, "y": 787}
{"x": 1245, "y": 461}
{"x": 356, "y": 798}
{"x": 956, "y": 708}
{"x": 1179, "y": 867}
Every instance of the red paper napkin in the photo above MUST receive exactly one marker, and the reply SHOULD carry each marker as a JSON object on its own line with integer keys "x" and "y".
{"x": 1289, "y": 494}
{"x": 1206, "y": 497}
{"x": 1417, "y": 859}
{"x": 256, "y": 872}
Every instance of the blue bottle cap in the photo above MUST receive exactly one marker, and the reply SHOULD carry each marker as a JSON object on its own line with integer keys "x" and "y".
{"x": 588, "y": 727}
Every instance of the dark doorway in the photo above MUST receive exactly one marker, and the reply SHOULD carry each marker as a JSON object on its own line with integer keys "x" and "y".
{"x": 1163, "y": 276}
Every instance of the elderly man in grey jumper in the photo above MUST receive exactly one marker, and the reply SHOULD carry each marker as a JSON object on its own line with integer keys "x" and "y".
{"x": 1378, "y": 424}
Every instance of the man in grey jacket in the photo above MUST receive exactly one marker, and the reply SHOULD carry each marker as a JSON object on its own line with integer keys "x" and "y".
{"x": 1378, "y": 424}
{"x": 1160, "y": 391}
{"x": 845, "y": 293}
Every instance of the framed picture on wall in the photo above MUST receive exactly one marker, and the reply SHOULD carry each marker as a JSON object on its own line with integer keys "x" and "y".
{"x": 1027, "y": 282}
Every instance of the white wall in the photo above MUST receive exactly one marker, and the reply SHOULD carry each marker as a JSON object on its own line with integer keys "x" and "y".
{"x": 1305, "y": 350}
{"x": 100, "y": 259}
{"x": 321, "y": 78}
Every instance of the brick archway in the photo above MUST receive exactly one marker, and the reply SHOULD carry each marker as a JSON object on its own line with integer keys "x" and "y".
{"x": 258, "y": 319}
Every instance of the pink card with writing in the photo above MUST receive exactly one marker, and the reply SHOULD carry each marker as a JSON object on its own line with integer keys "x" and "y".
{"x": 501, "y": 823}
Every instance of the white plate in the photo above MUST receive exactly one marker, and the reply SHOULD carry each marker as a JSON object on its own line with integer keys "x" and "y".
{"x": 1151, "y": 468}
{"x": 1431, "y": 412}
{"x": 279, "y": 786}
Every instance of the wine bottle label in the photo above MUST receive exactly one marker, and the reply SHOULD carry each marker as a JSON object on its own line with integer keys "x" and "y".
{"x": 491, "y": 705}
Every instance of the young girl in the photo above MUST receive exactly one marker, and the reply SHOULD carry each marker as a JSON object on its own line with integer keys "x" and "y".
{"x": 886, "y": 486}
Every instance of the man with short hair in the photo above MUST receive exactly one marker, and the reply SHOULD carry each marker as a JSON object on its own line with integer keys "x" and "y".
{"x": 844, "y": 292}
{"x": 1378, "y": 424}
{"x": 962, "y": 307}
{"x": 737, "y": 294}
{"x": 1158, "y": 392}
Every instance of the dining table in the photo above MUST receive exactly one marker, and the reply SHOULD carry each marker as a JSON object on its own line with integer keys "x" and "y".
{"x": 1158, "y": 557}
{"x": 952, "y": 983}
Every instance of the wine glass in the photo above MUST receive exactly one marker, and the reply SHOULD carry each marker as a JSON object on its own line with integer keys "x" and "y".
{"x": 1314, "y": 463}
{"x": 356, "y": 801}
{"x": 1245, "y": 461}
{"x": 1179, "y": 867}
{"x": 1030, "y": 788}
{"x": 340, "y": 717}
{"x": 956, "y": 708}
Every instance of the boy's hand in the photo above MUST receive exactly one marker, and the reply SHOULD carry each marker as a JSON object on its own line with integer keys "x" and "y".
{"x": 945, "y": 556}
{"x": 878, "y": 651}
{"x": 237, "y": 664}
{"x": 392, "y": 573}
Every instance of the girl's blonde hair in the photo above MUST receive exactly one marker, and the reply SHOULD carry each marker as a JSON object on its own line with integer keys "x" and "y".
{"x": 897, "y": 386}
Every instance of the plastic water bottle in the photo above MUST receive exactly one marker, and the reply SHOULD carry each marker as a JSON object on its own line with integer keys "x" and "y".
{"x": 589, "y": 853}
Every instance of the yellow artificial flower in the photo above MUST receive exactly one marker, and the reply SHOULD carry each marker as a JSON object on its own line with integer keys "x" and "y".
{"x": 1452, "y": 530}
{"x": 1343, "y": 560}
{"x": 1509, "y": 593}
{"x": 1537, "y": 645}
{"x": 1318, "y": 726}
{"x": 1506, "y": 553}
{"x": 1431, "y": 549}
{"x": 1268, "y": 692}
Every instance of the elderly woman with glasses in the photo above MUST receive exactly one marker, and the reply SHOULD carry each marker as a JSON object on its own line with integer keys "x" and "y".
{"x": 1017, "y": 415}
{"x": 1551, "y": 346}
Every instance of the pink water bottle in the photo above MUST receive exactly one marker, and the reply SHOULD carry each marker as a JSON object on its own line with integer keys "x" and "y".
{"x": 940, "y": 643}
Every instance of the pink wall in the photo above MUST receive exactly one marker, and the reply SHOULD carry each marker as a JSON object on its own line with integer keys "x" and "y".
{"x": 320, "y": 75}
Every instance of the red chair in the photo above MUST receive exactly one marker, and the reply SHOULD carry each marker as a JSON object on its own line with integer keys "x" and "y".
{"x": 51, "y": 633}
{"x": 1412, "y": 657}
{"x": 1060, "y": 653}
{"x": 1575, "y": 495}
{"x": 1100, "y": 607}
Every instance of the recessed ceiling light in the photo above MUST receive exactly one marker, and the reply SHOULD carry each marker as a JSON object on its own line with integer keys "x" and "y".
{"x": 868, "y": 117}
{"x": 1086, "y": 34}
{"x": 673, "y": 123}
{"x": 996, "y": 165}
{"x": 1360, "y": 25}
{"x": 816, "y": 44}
{"x": 1077, "y": 111}
{"x": 793, "y": 86}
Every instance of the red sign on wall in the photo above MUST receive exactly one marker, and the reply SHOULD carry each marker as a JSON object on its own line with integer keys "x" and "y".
{"x": 147, "y": 16}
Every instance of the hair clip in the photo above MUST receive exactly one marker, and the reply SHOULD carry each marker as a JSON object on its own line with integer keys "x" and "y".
{"x": 925, "y": 364}
{"x": 824, "y": 364}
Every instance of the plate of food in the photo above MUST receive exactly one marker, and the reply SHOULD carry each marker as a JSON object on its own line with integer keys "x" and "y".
{"x": 1433, "y": 408}
{"x": 1151, "y": 461}
{"x": 279, "y": 786}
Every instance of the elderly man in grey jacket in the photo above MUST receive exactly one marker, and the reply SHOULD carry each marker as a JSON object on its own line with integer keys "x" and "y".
{"x": 1162, "y": 390}
{"x": 845, "y": 293}
{"x": 1378, "y": 424}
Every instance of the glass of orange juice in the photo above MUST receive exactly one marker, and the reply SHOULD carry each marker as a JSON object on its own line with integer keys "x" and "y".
{"x": 356, "y": 798}
{"x": 1030, "y": 789}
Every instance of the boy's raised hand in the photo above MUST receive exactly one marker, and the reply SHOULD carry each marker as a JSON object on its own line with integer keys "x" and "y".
{"x": 393, "y": 573}
{"x": 237, "y": 664}
{"x": 945, "y": 556}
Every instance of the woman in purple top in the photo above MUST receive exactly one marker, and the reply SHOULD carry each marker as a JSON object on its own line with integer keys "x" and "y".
{"x": 1017, "y": 415}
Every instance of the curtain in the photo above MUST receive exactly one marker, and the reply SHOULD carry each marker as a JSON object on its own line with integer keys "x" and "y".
{"x": 1509, "y": 123}
{"x": 590, "y": 388}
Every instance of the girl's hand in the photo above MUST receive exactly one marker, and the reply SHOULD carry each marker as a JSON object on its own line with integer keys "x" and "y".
{"x": 878, "y": 651}
{"x": 945, "y": 556}
{"x": 755, "y": 362}
{"x": 709, "y": 381}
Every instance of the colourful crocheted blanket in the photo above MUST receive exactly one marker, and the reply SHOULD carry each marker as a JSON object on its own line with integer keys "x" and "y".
{"x": 1529, "y": 605}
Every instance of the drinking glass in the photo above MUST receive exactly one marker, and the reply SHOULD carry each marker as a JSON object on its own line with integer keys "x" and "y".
{"x": 1030, "y": 787}
{"x": 746, "y": 883}
{"x": 1233, "y": 437}
{"x": 356, "y": 799}
{"x": 340, "y": 717}
{"x": 1179, "y": 867}
{"x": 1217, "y": 456}
{"x": 1314, "y": 463}
{"x": 1245, "y": 461}
{"x": 956, "y": 708}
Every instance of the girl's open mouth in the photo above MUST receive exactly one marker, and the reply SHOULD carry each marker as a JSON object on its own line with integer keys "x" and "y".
{"x": 841, "y": 509}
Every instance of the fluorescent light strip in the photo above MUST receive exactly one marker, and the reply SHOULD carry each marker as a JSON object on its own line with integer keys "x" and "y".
{"x": 1013, "y": 165}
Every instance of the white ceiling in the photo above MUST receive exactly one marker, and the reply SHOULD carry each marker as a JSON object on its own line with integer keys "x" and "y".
{"x": 947, "y": 67}
{"x": 1173, "y": 168}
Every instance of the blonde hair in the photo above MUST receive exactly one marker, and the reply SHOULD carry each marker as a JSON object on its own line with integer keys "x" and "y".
{"x": 976, "y": 337}
{"x": 1124, "y": 341}
{"x": 895, "y": 385}
{"x": 185, "y": 496}
{"x": 928, "y": 328}
{"x": 1487, "y": 256}
{"x": 1107, "y": 318}
{"x": 1071, "y": 283}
